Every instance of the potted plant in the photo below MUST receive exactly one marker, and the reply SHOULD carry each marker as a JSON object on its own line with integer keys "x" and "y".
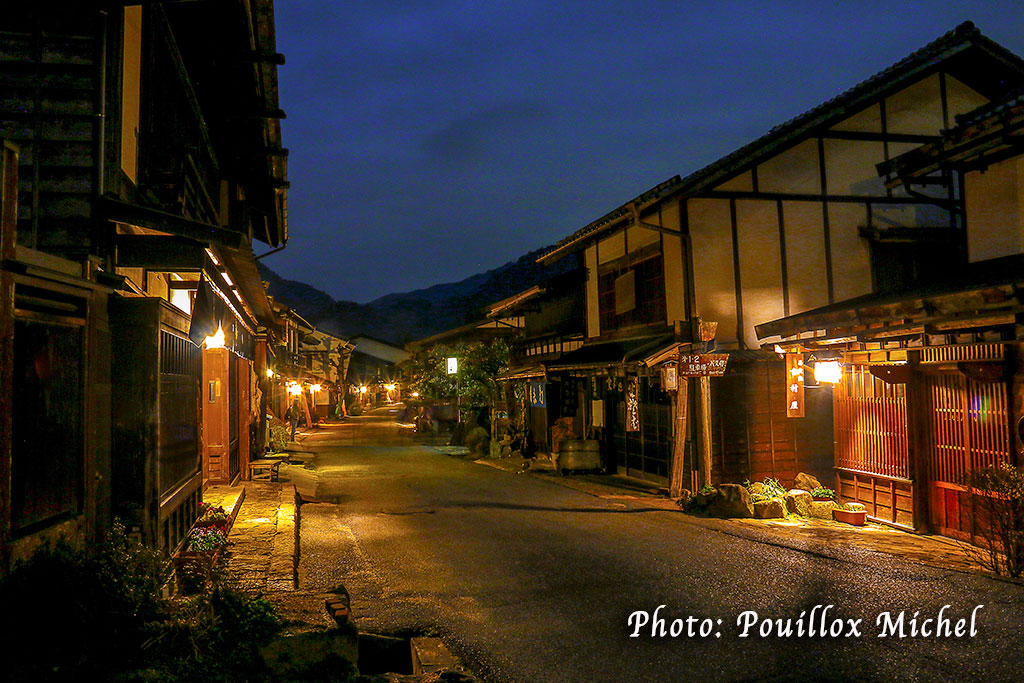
{"x": 823, "y": 493}
{"x": 193, "y": 564}
{"x": 212, "y": 516}
{"x": 851, "y": 513}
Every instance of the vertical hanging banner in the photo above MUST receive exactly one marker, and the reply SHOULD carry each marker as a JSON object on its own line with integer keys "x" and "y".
{"x": 794, "y": 385}
{"x": 632, "y": 405}
{"x": 538, "y": 395}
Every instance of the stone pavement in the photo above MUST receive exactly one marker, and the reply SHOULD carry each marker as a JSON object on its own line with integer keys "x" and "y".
{"x": 263, "y": 541}
{"x": 800, "y": 534}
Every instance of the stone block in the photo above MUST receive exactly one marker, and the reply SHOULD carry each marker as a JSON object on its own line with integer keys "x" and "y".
{"x": 822, "y": 509}
{"x": 806, "y": 482}
{"x": 798, "y": 502}
{"x": 773, "y": 508}
{"x": 733, "y": 501}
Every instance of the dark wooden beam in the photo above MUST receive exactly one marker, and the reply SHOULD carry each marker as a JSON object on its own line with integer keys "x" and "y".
{"x": 160, "y": 253}
{"x": 205, "y": 233}
{"x": 260, "y": 114}
{"x": 878, "y": 137}
{"x": 798, "y": 197}
{"x": 263, "y": 58}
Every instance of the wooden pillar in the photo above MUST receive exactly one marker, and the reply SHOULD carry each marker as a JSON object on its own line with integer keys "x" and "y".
{"x": 704, "y": 413}
{"x": 917, "y": 456}
{"x": 244, "y": 416}
{"x": 680, "y": 402}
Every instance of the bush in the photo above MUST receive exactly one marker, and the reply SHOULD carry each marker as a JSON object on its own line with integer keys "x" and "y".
{"x": 100, "y": 614}
{"x": 998, "y": 511}
{"x": 280, "y": 435}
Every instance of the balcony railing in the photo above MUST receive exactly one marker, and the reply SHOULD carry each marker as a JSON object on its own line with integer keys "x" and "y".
{"x": 545, "y": 347}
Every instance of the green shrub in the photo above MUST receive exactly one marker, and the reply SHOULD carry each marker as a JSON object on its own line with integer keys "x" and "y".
{"x": 998, "y": 513}
{"x": 280, "y": 434}
{"x": 823, "y": 492}
{"x": 100, "y": 614}
{"x": 773, "y": 489}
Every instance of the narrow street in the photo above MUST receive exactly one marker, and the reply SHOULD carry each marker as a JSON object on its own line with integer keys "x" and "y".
{"x": 528, "y": 581}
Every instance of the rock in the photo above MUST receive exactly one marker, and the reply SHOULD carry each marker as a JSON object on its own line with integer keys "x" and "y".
{"x": 733, "y": 501}
{"x": 806, "y": 482}
{"x": 822, "y": 509}
{"x": 799, "y": 502}
{"x": 683, "y": 501}
{"x": 477, "y": 441}
{"x": 773, "y": 508}
{"x": 757, "y": 487}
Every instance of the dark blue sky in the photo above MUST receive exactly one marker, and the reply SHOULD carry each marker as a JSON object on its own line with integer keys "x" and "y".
{"x": 434, "y": 140}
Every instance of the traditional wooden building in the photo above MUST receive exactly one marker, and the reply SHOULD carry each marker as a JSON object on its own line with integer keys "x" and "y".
{"x": 552, "y": 325}
{"x": 932, "y": 374}
{"x": 150, "y": 164}
{"x": 635, "y": 306}
{"x": 796, "y": 220}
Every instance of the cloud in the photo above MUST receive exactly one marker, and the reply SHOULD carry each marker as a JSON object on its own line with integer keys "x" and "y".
{"x": 484, "y": 133}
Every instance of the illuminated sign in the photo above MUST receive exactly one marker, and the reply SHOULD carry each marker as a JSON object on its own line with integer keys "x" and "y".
{"x": 794, "y": 385}
{"x": 453, "y": 366}
{"x": 703, "y": 364}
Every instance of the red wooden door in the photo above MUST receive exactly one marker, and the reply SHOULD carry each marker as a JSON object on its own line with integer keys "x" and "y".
{"x": 965, "y": 428}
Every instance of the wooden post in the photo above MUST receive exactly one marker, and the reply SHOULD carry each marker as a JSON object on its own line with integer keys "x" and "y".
{"x": 681, "y": 401}
{"x": 704, "y": 409}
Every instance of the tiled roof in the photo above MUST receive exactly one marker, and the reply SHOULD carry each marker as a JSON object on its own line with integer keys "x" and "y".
{"x": 961, "y": 37}
{"x": 656, "y": 192}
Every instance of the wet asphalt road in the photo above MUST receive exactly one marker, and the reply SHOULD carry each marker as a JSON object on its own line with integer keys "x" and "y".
{"x": 530, "y": 581}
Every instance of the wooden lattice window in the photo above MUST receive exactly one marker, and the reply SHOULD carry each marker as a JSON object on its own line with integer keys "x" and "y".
{"x": 643, "y": 282}
{"x": 870, "y": 423}
{"x": 968, "y": 429}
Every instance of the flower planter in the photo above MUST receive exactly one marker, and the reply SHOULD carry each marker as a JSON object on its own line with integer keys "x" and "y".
{"x": 823, "y": 499}
{"x": 192, "y": 569}
{"x": 854, "y": 517}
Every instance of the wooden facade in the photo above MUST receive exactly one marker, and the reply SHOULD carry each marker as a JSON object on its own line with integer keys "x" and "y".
{"x": 931, "y": 388}
{"x": 797, "y": 220}
{"x": 150, "y": 159}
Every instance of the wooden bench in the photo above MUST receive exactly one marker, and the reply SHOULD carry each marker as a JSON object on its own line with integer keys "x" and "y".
{"x": 265, "y": 469}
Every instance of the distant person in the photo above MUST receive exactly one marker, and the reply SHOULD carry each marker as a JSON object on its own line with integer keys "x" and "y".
{"x": 292, "y": 416}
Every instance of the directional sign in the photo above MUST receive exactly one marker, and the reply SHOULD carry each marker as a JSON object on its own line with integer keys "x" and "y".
{"x": 703, "y": 364}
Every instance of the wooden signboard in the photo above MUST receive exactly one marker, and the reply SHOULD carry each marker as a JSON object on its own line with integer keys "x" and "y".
{"x": 794, "y": 385}
{"x": 703, "y": 364}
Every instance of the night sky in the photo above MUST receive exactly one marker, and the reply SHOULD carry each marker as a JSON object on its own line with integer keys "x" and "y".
{"x": 434, "y": 140}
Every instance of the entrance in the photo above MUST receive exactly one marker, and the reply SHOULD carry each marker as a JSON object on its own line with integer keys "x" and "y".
{"x": 966, "y": 428}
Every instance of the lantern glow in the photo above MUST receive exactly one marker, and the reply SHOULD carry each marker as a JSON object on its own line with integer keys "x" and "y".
{"x": 828, "y": 371}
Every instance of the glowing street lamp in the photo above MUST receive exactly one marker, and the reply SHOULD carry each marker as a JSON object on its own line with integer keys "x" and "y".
{"x": 315, "y": 388}
{"x": 828, "y": 371}
{"x": 216, "y": 341}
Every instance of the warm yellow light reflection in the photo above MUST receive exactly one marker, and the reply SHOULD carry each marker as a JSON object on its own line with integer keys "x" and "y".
{"x": 181, "y": 299}
{"x": 217, "y": 340}
{"x": 828, "y": 371}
